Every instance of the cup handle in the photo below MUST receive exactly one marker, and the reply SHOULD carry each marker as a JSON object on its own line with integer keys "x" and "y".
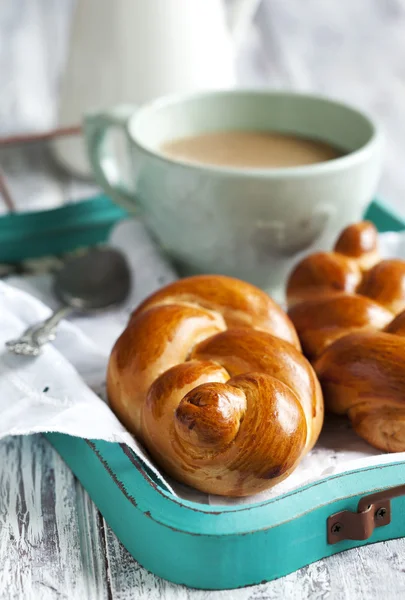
{"x": 96, "y": 128}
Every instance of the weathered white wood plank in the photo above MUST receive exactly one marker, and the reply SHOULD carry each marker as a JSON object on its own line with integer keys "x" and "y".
{"x": 50, "y": 546}
{"x": 370, "y": 573}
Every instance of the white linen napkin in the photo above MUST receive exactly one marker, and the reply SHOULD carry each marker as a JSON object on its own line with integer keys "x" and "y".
{"x": 60, "y": 390}
{"x": 63, "y": 390}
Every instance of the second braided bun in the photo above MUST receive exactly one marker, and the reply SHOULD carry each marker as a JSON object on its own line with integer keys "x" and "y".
{"x": 348, "y": 307}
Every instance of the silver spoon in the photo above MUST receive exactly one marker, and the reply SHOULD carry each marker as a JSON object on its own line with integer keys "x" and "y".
{"x": 91, "y": 282}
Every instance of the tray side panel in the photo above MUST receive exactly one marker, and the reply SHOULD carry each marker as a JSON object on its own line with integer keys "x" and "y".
{"x": 213, "y": 561}
{"x": 57, "y": 231}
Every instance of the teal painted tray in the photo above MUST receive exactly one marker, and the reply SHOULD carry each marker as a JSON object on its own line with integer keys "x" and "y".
{"x": 228, "y": 547}
{"x": 58, "y": 231}
{"x": 210, "y": 548}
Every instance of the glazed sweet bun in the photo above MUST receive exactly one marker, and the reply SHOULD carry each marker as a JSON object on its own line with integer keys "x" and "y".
{"x": 209, "y": 376}
{"x": 348, "y": 308}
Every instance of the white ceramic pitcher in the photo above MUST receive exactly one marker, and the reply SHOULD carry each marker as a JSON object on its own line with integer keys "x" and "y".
{"x": 136, "y": 50}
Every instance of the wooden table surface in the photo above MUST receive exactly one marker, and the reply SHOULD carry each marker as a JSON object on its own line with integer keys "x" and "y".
{"x": 53, "y": 541}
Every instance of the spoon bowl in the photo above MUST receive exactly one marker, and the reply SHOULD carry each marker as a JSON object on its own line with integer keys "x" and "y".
{"x": 96, "y": 280}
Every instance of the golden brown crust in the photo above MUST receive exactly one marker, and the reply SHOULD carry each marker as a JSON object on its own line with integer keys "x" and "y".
{"x": 363, "y": 376}
{"x": 385, "y": 283}
{"x": 240, "y": 303}
{"x": 361, "y": 368}
{"x": 321, "y": 321}
{"x": 359, "y": 241}
{"x": 397, "y": 326}
{"x": 203, "y": 379}
{"x": 322, "y": 274}
{"x": 153, "y": 342}
{"x": 260, "y": 352}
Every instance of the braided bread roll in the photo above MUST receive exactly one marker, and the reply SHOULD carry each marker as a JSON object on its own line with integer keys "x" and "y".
{"x": 209, "y": 376}
{"x": 348, "y": 308}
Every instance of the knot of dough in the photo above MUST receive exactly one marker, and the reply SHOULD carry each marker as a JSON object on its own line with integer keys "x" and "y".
{"x": 331, "y": 294}
{"x": 209, "y": 376}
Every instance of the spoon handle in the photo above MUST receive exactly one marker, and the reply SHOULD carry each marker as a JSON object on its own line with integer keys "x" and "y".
{"x": 30, "y": 342}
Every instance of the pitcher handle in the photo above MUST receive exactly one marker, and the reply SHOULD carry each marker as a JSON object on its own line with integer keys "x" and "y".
{"x": 96, "y": 128}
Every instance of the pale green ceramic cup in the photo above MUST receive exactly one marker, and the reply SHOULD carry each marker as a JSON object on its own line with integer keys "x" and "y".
{"x": 248, "y": 223}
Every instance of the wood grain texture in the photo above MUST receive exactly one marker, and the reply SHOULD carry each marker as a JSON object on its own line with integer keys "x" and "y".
{"x": 53, "y": 542}
{"x": 49, "y": 534}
